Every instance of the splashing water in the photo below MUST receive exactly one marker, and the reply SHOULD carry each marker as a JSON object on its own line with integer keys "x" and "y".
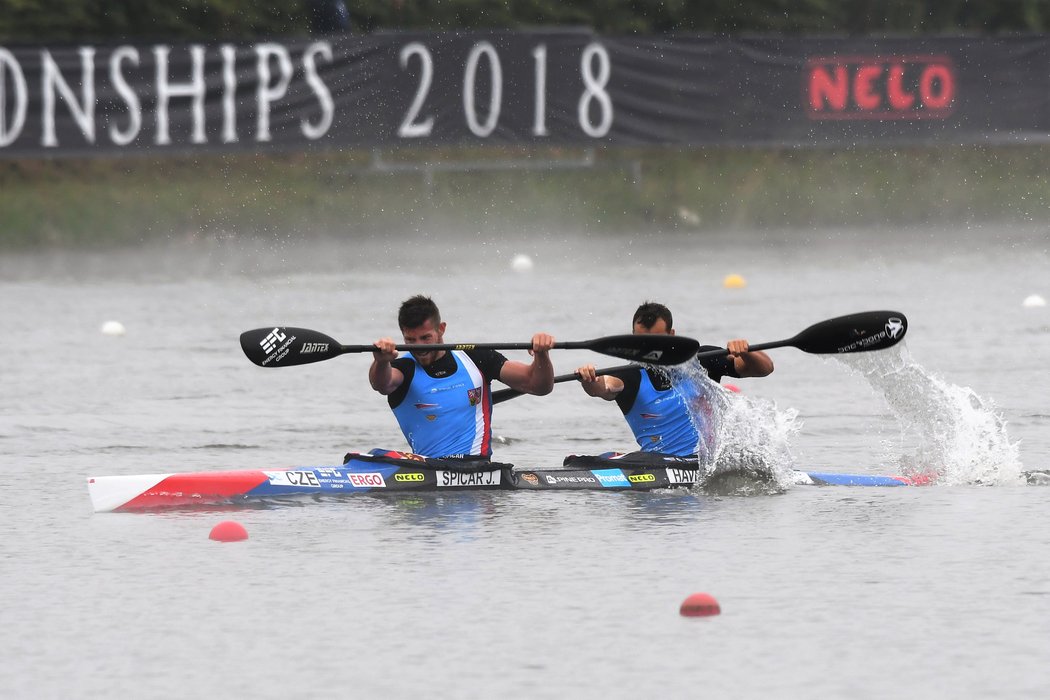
{"x": 961, "y": 438}
{"x": 738, "y": 434}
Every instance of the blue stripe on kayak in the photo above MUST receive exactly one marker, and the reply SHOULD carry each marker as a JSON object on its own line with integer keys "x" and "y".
{"x": 285, "y": 482}
{"x": 830, "y": 479}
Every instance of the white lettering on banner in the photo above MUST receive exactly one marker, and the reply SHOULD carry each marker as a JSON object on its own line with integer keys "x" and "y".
{"x": 9, "y": 64}
{"x": 266, "y": 94}
{"x": 539, "y": 110}
{"x": 52, "y": 80}
{"x": 195, "y": 89}
{"x": 127, "y": 93}
{"x": 453, "y": 479}
{"x": 595, "y": 91}
{"x": 324, "y": 95}
{"x": 79, "y": 93}
{"x": 366, "y": 480}
{"x": 229, "y": 93}
{"x": 482, "y": 48}
{"x": 409, "y": 128}
{"x": 595, "y": 80}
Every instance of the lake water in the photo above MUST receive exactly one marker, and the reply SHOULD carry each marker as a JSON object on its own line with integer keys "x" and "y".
{"x": 940, "y": 591}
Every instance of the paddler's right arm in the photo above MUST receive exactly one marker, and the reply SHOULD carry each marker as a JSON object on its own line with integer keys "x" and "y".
{"x": 381, "y": 375}
{"x": 605, "y": 387}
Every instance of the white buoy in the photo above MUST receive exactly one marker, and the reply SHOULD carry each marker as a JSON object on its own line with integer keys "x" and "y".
{"x": 1033, "y": 301}
{"x": 521, "y": 263}
{"x": 113, "y": 328}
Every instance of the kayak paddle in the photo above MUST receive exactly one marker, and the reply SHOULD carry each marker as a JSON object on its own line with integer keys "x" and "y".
{"x": 284, "y": 346}
{"x": 861, "y": 332}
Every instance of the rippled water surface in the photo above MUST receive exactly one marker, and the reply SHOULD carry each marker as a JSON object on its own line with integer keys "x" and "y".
{"x": 941, "y": 591}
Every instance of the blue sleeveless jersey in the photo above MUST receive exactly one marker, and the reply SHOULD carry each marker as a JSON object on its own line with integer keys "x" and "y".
{"x": 449, "y": 415}
{"x": 660, "y": 421}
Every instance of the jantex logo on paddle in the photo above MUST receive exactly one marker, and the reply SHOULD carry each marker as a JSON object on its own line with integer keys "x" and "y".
{"x": 879, "y": 87}
{"x": 310, "y": 348}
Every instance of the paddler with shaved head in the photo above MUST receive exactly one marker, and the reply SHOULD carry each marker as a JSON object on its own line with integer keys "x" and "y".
{"x": 442, "y": 399}
{"x": 656, "y": 412}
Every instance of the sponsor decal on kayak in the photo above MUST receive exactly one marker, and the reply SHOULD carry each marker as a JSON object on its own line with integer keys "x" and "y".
{"x": 409, "y": 476}
{"x": 578, "y": 478}
{"x": 294, "y": 478}
{"x": 610, "y": 477}
{"x": 367, "y": 480}
{"x": 641, "y": 478}
{"x": 530, "y": 478}
{"x": 681, "y": 476}
{"x": 455, "y": 479}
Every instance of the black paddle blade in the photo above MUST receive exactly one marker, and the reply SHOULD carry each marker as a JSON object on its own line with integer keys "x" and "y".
{"x": 651, "y": 349}
{"x": 284, "y": 346}
{"x": 863, "y": 332}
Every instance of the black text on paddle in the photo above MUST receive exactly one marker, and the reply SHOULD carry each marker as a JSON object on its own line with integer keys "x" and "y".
{"x": 284, "y": 346}
{"x": 861, "y": 332}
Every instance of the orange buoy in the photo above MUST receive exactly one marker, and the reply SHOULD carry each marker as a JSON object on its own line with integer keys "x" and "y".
{"x": 228, "y": 531}
{"x": 700, "y": 605}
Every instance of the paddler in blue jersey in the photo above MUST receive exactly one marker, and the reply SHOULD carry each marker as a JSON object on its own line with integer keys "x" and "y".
{"x": 656, "y": 412}
{"x": 442, "y": 399}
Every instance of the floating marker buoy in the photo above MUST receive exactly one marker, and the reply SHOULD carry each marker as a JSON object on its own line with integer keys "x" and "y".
{"x": 700, "y": 605}
{"x": 112, "y": 328}
{"x": 521, "y": 263}
{"x": 734, "y": 281}
{"x": 1033, "y": 301}
{"x": 228, "y": 531}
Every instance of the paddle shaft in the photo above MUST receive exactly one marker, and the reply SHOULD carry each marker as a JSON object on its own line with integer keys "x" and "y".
{"x": 285, "y": 346}
{"x": 507, "y": 394}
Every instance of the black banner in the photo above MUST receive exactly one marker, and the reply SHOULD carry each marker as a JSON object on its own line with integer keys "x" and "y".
{"x": 549, "y": 87}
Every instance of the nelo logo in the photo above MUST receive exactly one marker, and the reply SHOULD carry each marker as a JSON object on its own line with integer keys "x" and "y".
{"x": 880, "y": 87}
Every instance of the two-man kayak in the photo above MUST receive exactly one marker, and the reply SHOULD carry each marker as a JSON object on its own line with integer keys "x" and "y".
{"x": 374, "y": 474}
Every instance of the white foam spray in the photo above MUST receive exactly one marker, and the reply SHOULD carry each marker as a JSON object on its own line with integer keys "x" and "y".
{"x": 739, "y": 434}
{"x": 957, "y": 437}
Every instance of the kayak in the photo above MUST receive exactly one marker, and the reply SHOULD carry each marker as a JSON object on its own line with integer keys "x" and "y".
{"x": 370, "y": 474}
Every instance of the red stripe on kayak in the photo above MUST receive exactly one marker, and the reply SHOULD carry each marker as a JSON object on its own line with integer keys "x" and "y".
{"x": 197, "y": 488}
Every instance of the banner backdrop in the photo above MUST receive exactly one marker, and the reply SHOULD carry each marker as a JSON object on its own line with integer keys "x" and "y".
{"x": 541, "y": 87}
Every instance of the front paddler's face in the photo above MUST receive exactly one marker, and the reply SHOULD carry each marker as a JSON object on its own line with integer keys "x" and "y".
{"x": 426, "y": 334}
{"x": 658, "y": 328}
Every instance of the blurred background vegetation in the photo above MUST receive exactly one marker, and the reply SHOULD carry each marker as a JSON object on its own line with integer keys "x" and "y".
{"x": 131, "y": 199}
{"x": 79, "y": 20}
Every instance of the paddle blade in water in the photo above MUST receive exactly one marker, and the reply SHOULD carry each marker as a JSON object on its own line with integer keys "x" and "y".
{"x": 284, "y": 346}
{"x": 648, "y": 348}
{"x": 863, "y": 332}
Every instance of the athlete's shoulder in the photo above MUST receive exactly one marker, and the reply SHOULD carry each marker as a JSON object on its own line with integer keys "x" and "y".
{"x": 490, "y": 362}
